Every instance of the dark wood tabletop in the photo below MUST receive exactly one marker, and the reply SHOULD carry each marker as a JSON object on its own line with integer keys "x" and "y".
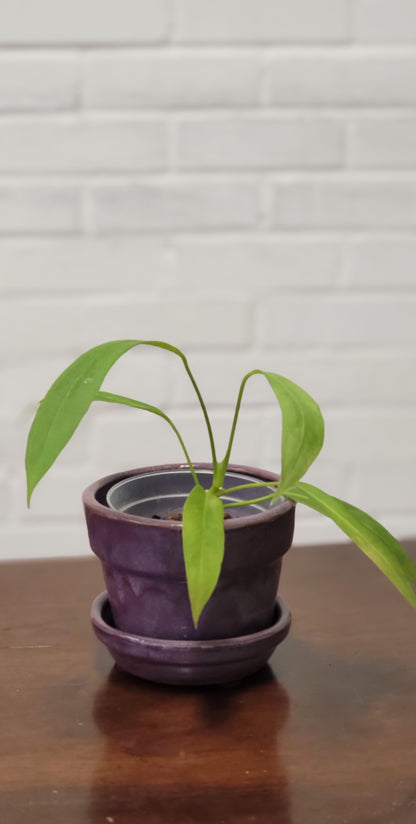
{"x": 325, "y": 735}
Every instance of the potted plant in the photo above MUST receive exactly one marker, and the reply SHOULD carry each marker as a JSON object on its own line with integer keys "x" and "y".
{"x": 192, "y": 553}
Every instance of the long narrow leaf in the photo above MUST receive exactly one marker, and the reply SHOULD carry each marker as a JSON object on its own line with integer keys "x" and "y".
{"x": 67, "y": 401}
{"x": 302, "y": 429}
{"x": 203, "y": 546}
{"x": 370, "y": 536}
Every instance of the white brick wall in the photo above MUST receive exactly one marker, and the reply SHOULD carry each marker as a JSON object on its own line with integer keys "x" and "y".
{"x": 39, "y": 208}
{"x": 384, "y": 143}
{"x": 169, "y": 205}
{"x": 178, "y": 79}
{"x": 267, "y": 143}
{"x": 342, "y": 77}
{"x": 65, "y": 146}
{"x": 237, "y": 177}
{"x": 94, "y": 22}
{"x": 386, "y": 21}
{"x": 32, "y": 82}
{"x": 261, "y": 21}
{"x": 345, "y": 203}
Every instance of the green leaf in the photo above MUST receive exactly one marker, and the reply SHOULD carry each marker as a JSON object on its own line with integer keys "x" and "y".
{"x": 203, "y": 545}
{"x": 67, "y": 401}
{"x": 302, "y": 429}
{"x": 370, "y": 536}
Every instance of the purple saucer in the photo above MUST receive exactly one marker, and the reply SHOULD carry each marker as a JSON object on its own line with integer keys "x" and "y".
{"x": 188, "y": 662}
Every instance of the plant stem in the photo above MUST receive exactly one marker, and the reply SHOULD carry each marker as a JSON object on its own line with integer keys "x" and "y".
{"x": 252, "y": 501}
{"x": 162, "y": 345}
{"x": 224, "y": 491}
{"x": 224, "y": 463}
{"x": 121, "y": 399}
{"x": 206, "y": 416}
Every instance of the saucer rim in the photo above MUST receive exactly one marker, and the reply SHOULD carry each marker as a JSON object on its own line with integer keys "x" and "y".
{"x": 282, "y": 623}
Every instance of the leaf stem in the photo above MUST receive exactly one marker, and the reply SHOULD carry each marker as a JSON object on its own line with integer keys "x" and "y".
{"x": 252, "y": 501}
{"x": 162, "y": 345}
{"x": 224, "y": 463}
{"x": 121, "y": 399}
{"x": 225, "y": 490}
{"x": 205, "y": 414}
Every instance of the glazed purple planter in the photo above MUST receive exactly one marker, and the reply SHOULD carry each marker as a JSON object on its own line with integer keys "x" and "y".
{"x": 144, "y": 568}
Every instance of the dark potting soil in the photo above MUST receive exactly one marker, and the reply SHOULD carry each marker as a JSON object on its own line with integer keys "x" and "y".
{"x": 178, "y": 516}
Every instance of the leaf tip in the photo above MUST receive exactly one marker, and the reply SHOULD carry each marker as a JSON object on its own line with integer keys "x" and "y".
{"x": 29, "y": 492}
{"x": 196, "y": 610}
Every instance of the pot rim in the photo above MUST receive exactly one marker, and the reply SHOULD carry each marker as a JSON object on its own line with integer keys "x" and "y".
{"x": 92, "y": 502}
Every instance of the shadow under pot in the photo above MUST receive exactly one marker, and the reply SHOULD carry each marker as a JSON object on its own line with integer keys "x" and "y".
{"x": 134, "y": 527}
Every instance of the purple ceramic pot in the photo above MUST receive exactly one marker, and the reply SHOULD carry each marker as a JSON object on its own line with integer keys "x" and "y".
{"x": 144, "y": 568}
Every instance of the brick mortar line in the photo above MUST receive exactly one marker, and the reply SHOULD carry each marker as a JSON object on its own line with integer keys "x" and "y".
{"x": 247, "y": 48}
{"x": 95, "y": 115}
{"x": 295, "y": 176}
{"x": 246, "y": 232}
{"x": 338, "y": 290}
{"x": 56, "y": 295}
{"x": 182, "y": 237}
{"x": 281, "y": 111}
{"x": 338, "y": 173}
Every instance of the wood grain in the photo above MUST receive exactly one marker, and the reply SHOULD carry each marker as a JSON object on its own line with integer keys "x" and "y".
{"x": 325, "y": 735}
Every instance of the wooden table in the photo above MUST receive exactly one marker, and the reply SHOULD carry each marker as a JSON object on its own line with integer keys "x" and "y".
{"x": 326, "y": 735}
